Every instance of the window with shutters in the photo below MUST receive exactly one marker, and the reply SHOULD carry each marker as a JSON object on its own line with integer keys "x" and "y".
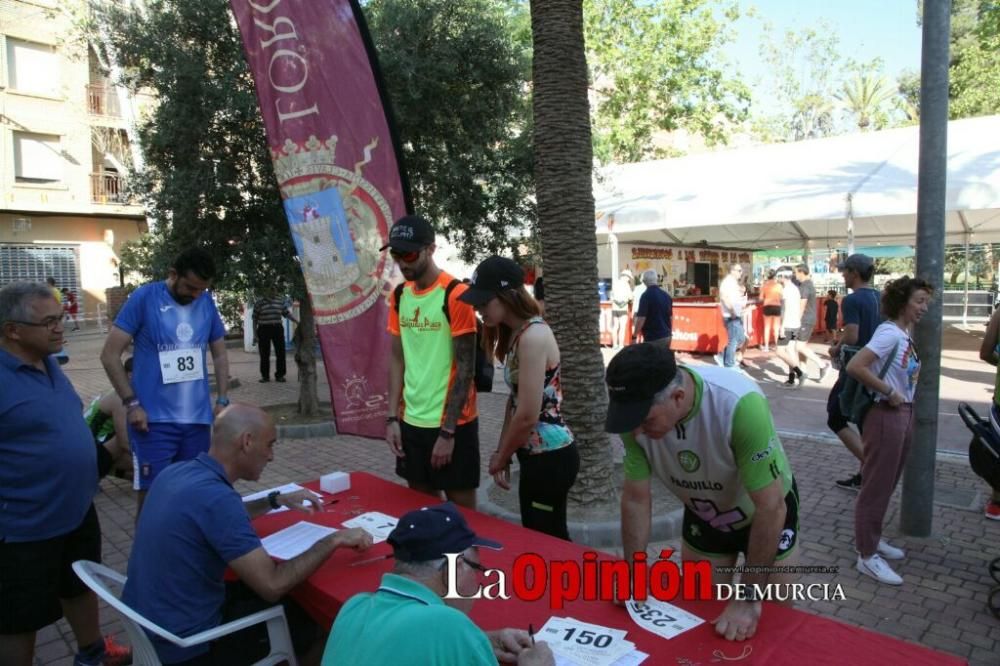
{"x": 38, "y": 158}
{"x": 35, "y": 263}
{"x": 33, "y": 68}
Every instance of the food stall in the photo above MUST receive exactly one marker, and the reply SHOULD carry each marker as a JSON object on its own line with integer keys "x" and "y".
{"x": 691, "y": 275}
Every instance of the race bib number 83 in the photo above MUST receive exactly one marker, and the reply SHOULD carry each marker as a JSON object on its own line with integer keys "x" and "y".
{"x": 181, "y": 365}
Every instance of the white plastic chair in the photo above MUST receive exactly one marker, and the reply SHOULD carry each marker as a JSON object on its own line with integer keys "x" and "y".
{"x": 143, "y": 653}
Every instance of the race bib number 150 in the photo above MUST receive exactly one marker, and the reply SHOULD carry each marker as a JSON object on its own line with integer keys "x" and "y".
{"x": 182, "y": 365}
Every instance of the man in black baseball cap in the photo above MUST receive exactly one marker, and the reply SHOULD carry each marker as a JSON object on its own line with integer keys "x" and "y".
{"x": 634, "y": 377}
{"x": 492, "y": 276}
{"x": 707, "y": 434}
{"x": 410, "y": 233}
{"x": 432, "y": 425}
{"x": 416, "y": 607}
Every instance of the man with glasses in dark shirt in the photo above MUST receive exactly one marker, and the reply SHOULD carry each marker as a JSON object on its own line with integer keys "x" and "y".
{"x": 48, "y": 480}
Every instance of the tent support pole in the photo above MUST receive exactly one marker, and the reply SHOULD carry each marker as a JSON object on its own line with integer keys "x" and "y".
{"x": 613, "y": 244}
{"x": 965, "y": 299}
{"x": 850, "y": 224}
{"x": 918, "y": 481}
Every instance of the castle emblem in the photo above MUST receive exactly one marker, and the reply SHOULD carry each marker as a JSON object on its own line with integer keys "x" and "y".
{"x": 338, "y": 222}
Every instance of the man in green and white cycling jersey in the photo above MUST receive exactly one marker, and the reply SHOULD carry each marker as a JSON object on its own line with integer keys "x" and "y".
{"x": 708, "y": 435}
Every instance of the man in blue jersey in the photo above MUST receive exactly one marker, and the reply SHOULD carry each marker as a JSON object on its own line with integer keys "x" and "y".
{"x": 170, "y": 323}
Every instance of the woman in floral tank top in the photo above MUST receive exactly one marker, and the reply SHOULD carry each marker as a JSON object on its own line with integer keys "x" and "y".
{"x": 533, "y": 426}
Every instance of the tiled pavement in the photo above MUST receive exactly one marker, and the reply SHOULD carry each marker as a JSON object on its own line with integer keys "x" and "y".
{"x": 940, "y": 605}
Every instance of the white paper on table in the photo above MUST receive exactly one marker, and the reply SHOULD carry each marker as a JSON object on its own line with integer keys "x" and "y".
{"x": 377, "y": 524}
{"x": 585, "y": 644}
{"x": 661, "y": 618}
{"x": 295, "y": 539}
{"x": 633, "y": 658}
{"x": 284, "y": 490}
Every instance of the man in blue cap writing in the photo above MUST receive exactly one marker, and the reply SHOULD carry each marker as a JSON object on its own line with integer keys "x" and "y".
{"x": 407, "y": 620}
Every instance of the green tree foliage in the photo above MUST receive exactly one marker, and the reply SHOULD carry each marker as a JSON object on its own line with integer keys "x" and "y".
{"x": 908, "y": 86}
{"x": 457, "y": 73}
{"x": 207, "y": 178}
{"x": 807, "y": 70}
{"x": 868, "y": 96}
{"x": 975, "y": 59}
{"x": 653, "y": 68}
{"x": 457, "y": 83}
{"x": 974, "y": 69}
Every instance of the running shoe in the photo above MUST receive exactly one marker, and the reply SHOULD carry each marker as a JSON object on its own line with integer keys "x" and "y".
{"x": 890, "y": 552}
{"x": 850, "y": 483}
{"x": 992, "y": 510}
{"x": 878, "y": 569}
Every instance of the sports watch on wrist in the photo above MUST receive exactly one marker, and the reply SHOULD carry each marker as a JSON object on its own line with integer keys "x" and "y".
{"x": 222, "y": 401}
{"x": 272, "y": 499}
{"x": 444, "y": 434}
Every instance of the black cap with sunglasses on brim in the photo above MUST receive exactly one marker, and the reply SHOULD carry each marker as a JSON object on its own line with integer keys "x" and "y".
{"x": 410, "y": 233}
{"x": 492, "y": 276}
{"x": 634, "y": 376}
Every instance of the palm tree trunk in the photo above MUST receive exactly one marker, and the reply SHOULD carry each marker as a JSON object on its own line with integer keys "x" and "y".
{"x": 563, "y": 166}
{"x": 305, "y": 358}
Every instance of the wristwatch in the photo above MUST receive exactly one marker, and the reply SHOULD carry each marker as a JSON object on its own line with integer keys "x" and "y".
{"x": 391, "y": 419}
{"x": 444, "y": 434}
{"x": 272, "y": 499}
{"x": 222, "y": 401}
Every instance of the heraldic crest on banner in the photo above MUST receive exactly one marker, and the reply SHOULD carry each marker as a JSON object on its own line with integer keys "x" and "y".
{"x": 338, "y": 222}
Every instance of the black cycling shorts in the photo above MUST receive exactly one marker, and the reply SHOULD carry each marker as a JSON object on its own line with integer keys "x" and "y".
{"x": 701, "y": 537}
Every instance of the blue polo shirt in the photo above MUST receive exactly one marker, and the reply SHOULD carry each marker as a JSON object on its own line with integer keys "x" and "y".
{"x": 164, "y": 331}
{"x": 48, "y": 461}
{"x": 658, "y": 309}
{"x": 192, "y": 525}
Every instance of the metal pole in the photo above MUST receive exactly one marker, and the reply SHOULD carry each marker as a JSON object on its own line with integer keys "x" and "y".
{"x": 965, "y": 300}
{"x": 613, "y": 246}
{"x": 850, "y": 224}
{"x": 918, "y": 480}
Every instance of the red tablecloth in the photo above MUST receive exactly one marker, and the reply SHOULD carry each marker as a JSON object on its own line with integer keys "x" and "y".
{"x": 785, "y": 635}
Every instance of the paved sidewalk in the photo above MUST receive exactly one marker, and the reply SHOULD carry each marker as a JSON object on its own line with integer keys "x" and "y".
{"x": 940, "y": 605}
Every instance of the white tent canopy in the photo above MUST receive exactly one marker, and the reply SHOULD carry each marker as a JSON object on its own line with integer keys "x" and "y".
{"x": 796, "y": 195}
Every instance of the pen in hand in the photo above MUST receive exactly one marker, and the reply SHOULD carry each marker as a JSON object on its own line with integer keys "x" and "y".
{"x": 531, "y": 633}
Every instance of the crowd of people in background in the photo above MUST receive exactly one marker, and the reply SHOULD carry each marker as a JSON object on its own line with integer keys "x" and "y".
{"x": 700, "y": 428}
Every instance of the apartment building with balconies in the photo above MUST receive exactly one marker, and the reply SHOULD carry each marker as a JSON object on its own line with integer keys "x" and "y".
{"x": 65, "y": 152}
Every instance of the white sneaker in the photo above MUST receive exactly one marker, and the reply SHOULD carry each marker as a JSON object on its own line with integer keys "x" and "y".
{"x": 718, "y": 360}
{"x": 890, "y": 552}
{"x": 878, "y": 569}
{"x": 765, "y": 349}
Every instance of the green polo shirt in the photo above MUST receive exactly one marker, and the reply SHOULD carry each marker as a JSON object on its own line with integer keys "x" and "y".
{"x": 404, "y": 622}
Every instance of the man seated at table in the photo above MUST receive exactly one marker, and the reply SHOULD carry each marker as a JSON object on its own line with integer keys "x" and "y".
{"x": 406, "y": 621}
{"x": 708, "y": 435}
{"x": 194, "y": 524}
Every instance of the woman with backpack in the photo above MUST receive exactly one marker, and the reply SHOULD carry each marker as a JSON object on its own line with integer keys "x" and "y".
{"x": 888, "y": 366}
{"x": 533, "y": 427}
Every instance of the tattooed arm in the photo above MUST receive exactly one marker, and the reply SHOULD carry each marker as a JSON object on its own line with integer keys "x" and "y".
{"x": 465, "y": 366}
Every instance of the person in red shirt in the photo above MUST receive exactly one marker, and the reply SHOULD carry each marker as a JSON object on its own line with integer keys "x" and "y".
{"x": 70, "y": 307}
